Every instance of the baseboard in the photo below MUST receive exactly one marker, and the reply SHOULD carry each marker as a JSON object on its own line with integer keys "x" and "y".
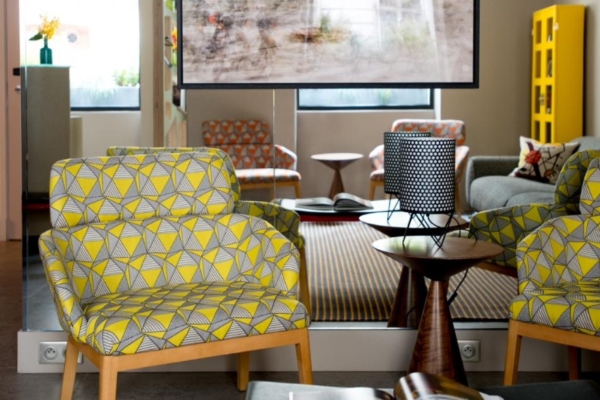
{"x": 346, "y": 347}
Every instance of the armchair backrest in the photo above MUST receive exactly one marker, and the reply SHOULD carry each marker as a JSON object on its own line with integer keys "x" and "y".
{"x": 590, "y": 191}
{"x": 132, "y": 150}
{"x": 104, "y": 189}
{"x": 146, "y": 221}
{"x": 249, "y": 143}
{"x": 445, "y": 128}
{"x": 567, "y": 190}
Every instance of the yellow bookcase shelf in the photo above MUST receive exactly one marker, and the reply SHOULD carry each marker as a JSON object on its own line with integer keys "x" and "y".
{"x": 557, "y": 73}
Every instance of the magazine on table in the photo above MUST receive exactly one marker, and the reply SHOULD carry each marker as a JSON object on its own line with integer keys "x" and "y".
{"x": 340, "y": 202}
{"x": 414, "y": 386}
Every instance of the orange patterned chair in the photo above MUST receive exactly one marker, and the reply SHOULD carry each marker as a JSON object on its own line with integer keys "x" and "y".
{"x": 448, "y": 128}
{"x": 258, "y": 162}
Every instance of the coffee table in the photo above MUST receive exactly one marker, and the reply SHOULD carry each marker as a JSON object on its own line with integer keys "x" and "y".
{"x": 337, "y": 161}
{"x": 328, "y": 214}
{"x": 436, "y": 349}
{"x": 411, "y": 293}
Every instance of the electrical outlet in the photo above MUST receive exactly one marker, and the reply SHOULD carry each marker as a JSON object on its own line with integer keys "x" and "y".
{"x": 470, "y": 350}
{"x": 54, "y": 353}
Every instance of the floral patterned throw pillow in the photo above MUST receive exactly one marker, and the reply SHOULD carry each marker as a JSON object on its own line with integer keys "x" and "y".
{"x": 542, "y": 162}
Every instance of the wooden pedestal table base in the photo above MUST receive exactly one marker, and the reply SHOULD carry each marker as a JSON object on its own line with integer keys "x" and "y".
{"x": 436, "y": 349}
{"x": 411, "y": 293}
{"x": 336, "y": 161}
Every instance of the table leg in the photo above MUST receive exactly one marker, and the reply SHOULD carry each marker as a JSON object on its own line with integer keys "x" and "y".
{"x": 337, "y": 186}
{"x": 436, "y": 350}
{"x": 409, "y": 300}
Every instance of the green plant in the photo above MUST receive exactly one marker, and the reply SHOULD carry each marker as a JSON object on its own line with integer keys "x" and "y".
{"x": 127, "y": 77}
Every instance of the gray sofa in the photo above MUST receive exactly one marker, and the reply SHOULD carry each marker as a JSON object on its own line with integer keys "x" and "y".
{"x": 488, "y": 185}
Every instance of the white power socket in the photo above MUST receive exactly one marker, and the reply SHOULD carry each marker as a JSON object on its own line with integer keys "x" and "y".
{"x": 470, "y": 350}
{"x": 54, "y": 353}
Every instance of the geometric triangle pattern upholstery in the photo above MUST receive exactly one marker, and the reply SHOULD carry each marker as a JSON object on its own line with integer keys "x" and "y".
{"x": 102, "y": 189}
{"x": 132, "y": 150}
{"x": 285, "y": 221}
{"x": 590, "y": 192}
{"x": 559, "y": 275}
{"x": 567, "y": 189}
{"x": 172, "y": 278}
{"x": 249, "y": 144}
{"x": 157, "y": 270}
{"x": 507, "y": 226}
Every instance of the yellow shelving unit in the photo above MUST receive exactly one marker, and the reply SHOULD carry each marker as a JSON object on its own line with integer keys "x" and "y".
{"x": 557, "y": 73}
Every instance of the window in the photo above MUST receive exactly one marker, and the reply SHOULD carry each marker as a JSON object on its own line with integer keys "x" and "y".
{"x": 99, "y": 40}
{"x": 336, "y": 99}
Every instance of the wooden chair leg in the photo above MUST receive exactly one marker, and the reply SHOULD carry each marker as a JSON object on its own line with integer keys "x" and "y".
{"x": 513, "y": 350}
{"x": 304, "y": 288}
{"x": 108, "y": 378}
{"x": 298, "y": 190}
{"x": 70, "y": 370}
{"x": 243, "y": 370}
{"x": 574, "y": 362}
{"x": 372, "y": 191}
{"x": 304, "y": 360}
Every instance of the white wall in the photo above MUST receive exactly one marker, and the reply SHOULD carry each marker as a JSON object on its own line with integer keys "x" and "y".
{"x": 104, "y": 129}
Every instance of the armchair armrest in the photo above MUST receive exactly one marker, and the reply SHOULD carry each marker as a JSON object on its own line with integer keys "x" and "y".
{"x": 70, "y": 315}
{"x": 285, "y": 158}
{"x": 563, "y": 259}
{"x": 509, "y": 225}
{"x": 376, "y": 157}
{"x": 285, "y": 221}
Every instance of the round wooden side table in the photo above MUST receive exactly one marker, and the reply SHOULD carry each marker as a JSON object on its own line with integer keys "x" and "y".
{"x": 436, "y": 349}
{"x": 336, "y": 161}
{"x": 411, "y": 293}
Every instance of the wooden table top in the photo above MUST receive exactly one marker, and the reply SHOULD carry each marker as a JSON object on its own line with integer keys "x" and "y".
{"x": 336, "y": 156}
{"x": 423, "y": 255}
{"x": 398, "y": 223}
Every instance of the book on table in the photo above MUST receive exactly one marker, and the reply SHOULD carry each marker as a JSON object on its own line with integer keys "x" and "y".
{"x": 414, "y": 386}
{"x": 340, "y": 202}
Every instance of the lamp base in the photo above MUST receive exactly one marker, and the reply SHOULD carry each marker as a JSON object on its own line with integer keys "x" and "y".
{"x": 425, "y": 221}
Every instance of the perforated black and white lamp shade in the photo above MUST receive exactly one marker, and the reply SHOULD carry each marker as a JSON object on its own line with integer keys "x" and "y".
{"x": 427, "y": 176}
{"x": 391, "y": 158}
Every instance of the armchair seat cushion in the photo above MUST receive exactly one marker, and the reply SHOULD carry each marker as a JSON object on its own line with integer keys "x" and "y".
{"x": 573, "y": 306}
{"x": 377, "y": 175}
{"x": 266, "y": 175}
{"x": 157, "y": 318}
{"x": 500, "y": 191}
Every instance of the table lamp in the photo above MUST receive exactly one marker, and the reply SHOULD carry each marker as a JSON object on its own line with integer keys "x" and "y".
{"x": 423, "y": 179}
{"x": 391, "y": 163}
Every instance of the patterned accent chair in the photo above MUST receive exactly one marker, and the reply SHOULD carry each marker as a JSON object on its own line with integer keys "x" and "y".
{"x": 507, "y": 226}
{"x": 149, "y": 265}
{"x": 559, "y": 282}
{"x": 439, "y": 128}
{"x": 258, "y": 162}
{"x": 285, "y": 221}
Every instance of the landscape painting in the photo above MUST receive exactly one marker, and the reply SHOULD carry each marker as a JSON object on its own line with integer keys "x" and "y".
{"x": 328, "y": 43}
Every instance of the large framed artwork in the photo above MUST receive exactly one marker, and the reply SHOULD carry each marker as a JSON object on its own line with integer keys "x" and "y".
{"x": 328, "y": 43}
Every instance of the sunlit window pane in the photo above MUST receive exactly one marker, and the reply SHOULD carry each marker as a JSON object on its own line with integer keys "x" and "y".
{"x": 99, "y": 40}
{"x": 364, "y": 98}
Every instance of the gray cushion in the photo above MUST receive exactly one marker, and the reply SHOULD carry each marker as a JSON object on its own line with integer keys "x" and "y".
{"x": 491, "y": 192}
{"x": 530, "y": 198}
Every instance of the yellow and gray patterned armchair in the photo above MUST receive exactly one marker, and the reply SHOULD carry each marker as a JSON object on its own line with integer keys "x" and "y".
{"x": 507, "y": 226}
{"x": 439, "y": 128}
{"x": 259, "y": 163}
{"x": 149, "y": 264}
{"x": 559, "y": 282}
{"x": 285, "y": 221}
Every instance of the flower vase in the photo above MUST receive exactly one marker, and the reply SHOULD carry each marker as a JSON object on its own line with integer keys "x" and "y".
{"x": 46, "y": 53}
